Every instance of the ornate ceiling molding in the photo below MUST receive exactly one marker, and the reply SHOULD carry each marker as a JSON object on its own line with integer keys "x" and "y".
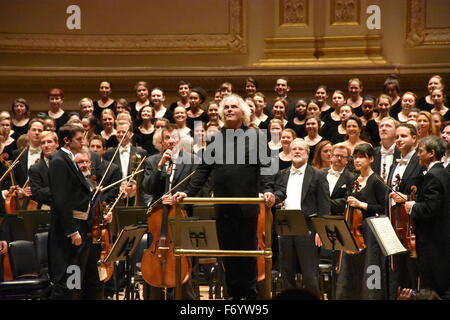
{"x": 418, "y": 34}
{"x": 232, "y": 42}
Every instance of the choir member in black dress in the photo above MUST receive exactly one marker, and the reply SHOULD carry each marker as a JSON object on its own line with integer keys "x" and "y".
{"x": 424, "y": 125}
{"x": 298, "y": 122}
{"x": 180, "y": 117}
{"x": 279, "y": 109}
{"x": 142, "y": 90}
{"x": 439, "y": 103}
{"x": 275, "y": 129}
{"x": 284, "y": 157}
{"x": 392, "y": 89}
{"x": 122, "y": 105}
{"x": 408, "y": 102}
{"x": 20, "y": 116}
{"x": 437, "y": 122}
{"x": 322, "y": 155}
{"x": 105, "y": 101}
{"x": 384, "y": 103}
{"x": 260, "y": 102}
{"x": 355, "y": 88}
{"x": 333, "y": 120}
{"x": 313, "y": 109}
{"x": 435, "y": 82}
{"x": 196, "y": 98}
{"x": 336, "y": 132}
{"x": 362, "y": 275}
{"x": 213, "y": 113}
{"x": 157, "y": 99}
{"x": 251, "y": 87}
{"x": 143, "y": 133}
{"x": 183, "y": 89}
{"x": 86, "y": 106}
{"x": 321, "y": 97}
{"x": 56, "y": 100}
{"x": 282, "y": 90}
{"x": 8, "y": 143}
{"x": 312, "y": 138}
{"x": 108, "y": 133}
{"x": 368, "y": 120}
{"x": 431, "y": 216}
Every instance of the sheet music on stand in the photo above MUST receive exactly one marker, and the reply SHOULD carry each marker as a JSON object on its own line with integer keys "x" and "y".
{"x": 386, "y": 236}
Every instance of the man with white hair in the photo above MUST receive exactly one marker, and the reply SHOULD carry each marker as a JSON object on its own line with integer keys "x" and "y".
{"x": 306, "y": 189}
{"x": 237, "y": 171}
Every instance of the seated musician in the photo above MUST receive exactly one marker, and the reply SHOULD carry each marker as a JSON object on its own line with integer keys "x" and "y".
{"x": 38, "y": 173}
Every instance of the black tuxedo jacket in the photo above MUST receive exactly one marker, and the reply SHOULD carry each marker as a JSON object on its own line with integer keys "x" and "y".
{"x": 315, "y": 191}
{"x": 39, "y": 183}
{"x": 21, "y": 169}
{"x": 338, "y": 197}
{"x": 133, "y": 150}
{"x": 376, "y": 164}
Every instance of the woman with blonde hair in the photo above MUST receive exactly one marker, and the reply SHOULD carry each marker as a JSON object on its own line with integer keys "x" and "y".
{"x": 20, "y": 116}
{"x": 108, "y": 119}
{"x": 435, "y": 82}
{"x": 142, "y": 89}
{"x": 424, "y": 125}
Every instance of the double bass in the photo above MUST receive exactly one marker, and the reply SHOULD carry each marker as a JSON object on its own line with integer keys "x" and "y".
{"x": 158, "y": 261}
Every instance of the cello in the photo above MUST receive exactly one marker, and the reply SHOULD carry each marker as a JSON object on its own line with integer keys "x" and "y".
{"x": 399, "y": 217}
{"x": 410, "y": 234}
{"x": 158, "y": 261}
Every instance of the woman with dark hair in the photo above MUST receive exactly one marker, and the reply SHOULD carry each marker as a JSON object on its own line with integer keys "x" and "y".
{"x": 355, "y": 88}
{"x": 368, "y": 120}
{"x": 369, "y": 198}
{"x": 298, "y": 122}
{"x": 391, "y": 87}
{"x": 213, "y": 113}
{"x": 408, "y": 102}
{"x": 279, "y": 109}
{"x": 142, "y": 93}
{"x": 251, "y": 87}
{"x": 143, "y": 133}
{"x": 439, "y": 101}
{"x": 321, "y": 97}
{"x": 184, "y": 88}
{"x": 122, "y": 106}
{"x": 435, "y": 82}
{"x": 337, "y": 133}
{"x": 437, "y": 122}
{"x": 384, "y": 104}
{"x": 260, "y": 103}
{"x": 195, "y": 113}
{"x": 56, "y": 100}
{"x": 7, "y": 143}
{"x": 354, "y": 128}
{"x": 332, "y": 120}
{"x": 312, "y": 138}
{"x": 105, "y": 101}
{"x": 92, "y": 125}
{"x": 20, "y": 116}
{"x": 322, "y": 155}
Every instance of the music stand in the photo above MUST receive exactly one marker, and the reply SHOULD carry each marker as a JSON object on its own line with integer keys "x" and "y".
{"x": 290, "y": 223}
{"x": 196, "y": 234}
{"x": 25, "y": 224}
{"x": 335, "y": 235}
{"x": 123, "y": 248}
{"x": 127, "y": 216}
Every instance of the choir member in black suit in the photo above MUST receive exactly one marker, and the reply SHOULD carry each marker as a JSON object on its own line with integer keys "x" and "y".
{"x": 236, "y": 224}
{"x": 431, "y": 214}
{"x": 306, "y": 189}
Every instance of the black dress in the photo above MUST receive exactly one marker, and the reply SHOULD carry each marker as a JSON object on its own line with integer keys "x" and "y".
{"x": 20, "y": 130}
{"x": 59, "y": 122}
{"x": 300, "y": 129}
{"x": 312, "y": 150}
{"x": 191, "y": 121}
{"x": 145, "y": 141}
{"x": 98, "y": 110}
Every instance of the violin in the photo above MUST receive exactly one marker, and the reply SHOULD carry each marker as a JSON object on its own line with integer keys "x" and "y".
{"x": 158, "y": 261}
{"x": 399, "y": 217}
{"x": 11, "y": 199}
{"x": 411, "y": 229}
{"x": 354, "y": 218}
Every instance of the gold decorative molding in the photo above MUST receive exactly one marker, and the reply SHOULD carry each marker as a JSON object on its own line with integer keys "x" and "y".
{"x": 418, "y": 35}
{"x": 294, "y": 13}
{"x": 234, "y": 41}
{"x": 345, "y": 12}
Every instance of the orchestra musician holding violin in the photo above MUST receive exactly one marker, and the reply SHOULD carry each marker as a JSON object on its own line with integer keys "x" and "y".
{"x": 236, "y": 224}
{"x": 69, "y": 225}
{"x": 405, "y": 173}
{"x": 431, "y": 214}
{"x": 365, "y": 201}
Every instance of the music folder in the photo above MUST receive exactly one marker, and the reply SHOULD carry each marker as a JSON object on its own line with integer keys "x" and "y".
{"x": 334, "y": 233}
{"x": 385, "y": 234}
{"x": 290, "y": 222}
{"x": 196, "y": 234}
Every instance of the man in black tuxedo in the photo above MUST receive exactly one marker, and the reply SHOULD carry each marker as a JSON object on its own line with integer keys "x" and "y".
{"x": 124, "y": 159}
{"x": 29, "y": 157}
{"x": 431, "y": 214}
{"x": 339, "y": 178}
{"x": 70, "y": 221}
{"x": 282, "y": 89}
{"x": 236, "y": 174}
{"x": 306, "y": 189}
{"x": 406, "y": 172}
{"x": 386, "y": 153}
{"x": 38, "y": 172}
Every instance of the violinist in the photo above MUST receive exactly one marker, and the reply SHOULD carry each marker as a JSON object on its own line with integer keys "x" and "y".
{"x": 431, "y": 217}
{"x": 70, "y": 220}
{"x": 155, "y": 168}
{"x": 409, "y": 170}
{"x": 353, "y": 281}
{"x": 306, "y": 189}
{"x": 38, "y": 172}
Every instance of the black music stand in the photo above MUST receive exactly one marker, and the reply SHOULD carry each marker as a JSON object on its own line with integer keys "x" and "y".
{"x": 290, "y": 223}
{"x": 123, "y": 248}
{"x": 335, "y": 235}
{"x": 25, "y": 224}
{"x": 127, "y": 216}
{"x": 196, "y": 234}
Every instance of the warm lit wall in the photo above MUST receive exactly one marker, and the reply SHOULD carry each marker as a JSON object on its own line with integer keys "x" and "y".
{"x": 210, "y": 41}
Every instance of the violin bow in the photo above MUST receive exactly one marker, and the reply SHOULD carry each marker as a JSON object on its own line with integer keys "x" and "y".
{"x": 385, "y": 184}
{"x": 15, "y": 162}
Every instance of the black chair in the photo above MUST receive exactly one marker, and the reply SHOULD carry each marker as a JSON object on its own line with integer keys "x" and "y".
{"x": 26, "y": 283}
{"x": 41, "y": 244}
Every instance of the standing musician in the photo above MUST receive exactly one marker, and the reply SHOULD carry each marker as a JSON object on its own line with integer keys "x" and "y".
{"x": 155, "y": 174}
{"x": 431, "y": 214}
{"x": 408, "y": 168}
{"x": 386, "y": 153}
{"x": 125, "y": 156}
{"x": 445, "y": 134}
{"x": 92, "y": 287}
{"x": 354, "y": 278}
{"x": 306, "y": 189}
{"x": 69, "y": 225}
{"x": 236, "y": 224}
{"x": 38, "y": 172}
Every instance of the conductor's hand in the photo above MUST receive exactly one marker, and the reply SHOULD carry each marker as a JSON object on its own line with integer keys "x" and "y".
{"x": 76, "y": 239}
{"x": 269, "y": 197}
{"x": 177, "y": 197}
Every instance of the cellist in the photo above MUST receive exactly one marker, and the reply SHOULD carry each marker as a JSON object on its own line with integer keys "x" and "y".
{"x": 408, "y": 168}
{"x": 354, "y": 280}
{"x": 155, "y": 168}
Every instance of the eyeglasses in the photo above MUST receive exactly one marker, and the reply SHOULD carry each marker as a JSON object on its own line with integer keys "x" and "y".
{"x": 339, "y": 156}
{"x": 83, "y": 161}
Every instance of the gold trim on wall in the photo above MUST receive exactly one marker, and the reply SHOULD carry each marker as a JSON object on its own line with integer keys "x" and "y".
{"x": 345, "y": 12}
{"x": 417, "y": 33}
{"x": 232, "y": 42}
{"x": 294, "y": 13}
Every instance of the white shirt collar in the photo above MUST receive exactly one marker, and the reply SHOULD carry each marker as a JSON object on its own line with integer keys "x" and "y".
{"x": 71, "y": 155}
{"x": 431, "y": 165}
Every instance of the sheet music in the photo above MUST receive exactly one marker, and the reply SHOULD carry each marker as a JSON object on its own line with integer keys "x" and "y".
{"x": 386, "y": 236}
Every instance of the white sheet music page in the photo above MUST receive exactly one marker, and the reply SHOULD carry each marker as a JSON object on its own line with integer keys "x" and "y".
{"x": 386, "y": 235}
